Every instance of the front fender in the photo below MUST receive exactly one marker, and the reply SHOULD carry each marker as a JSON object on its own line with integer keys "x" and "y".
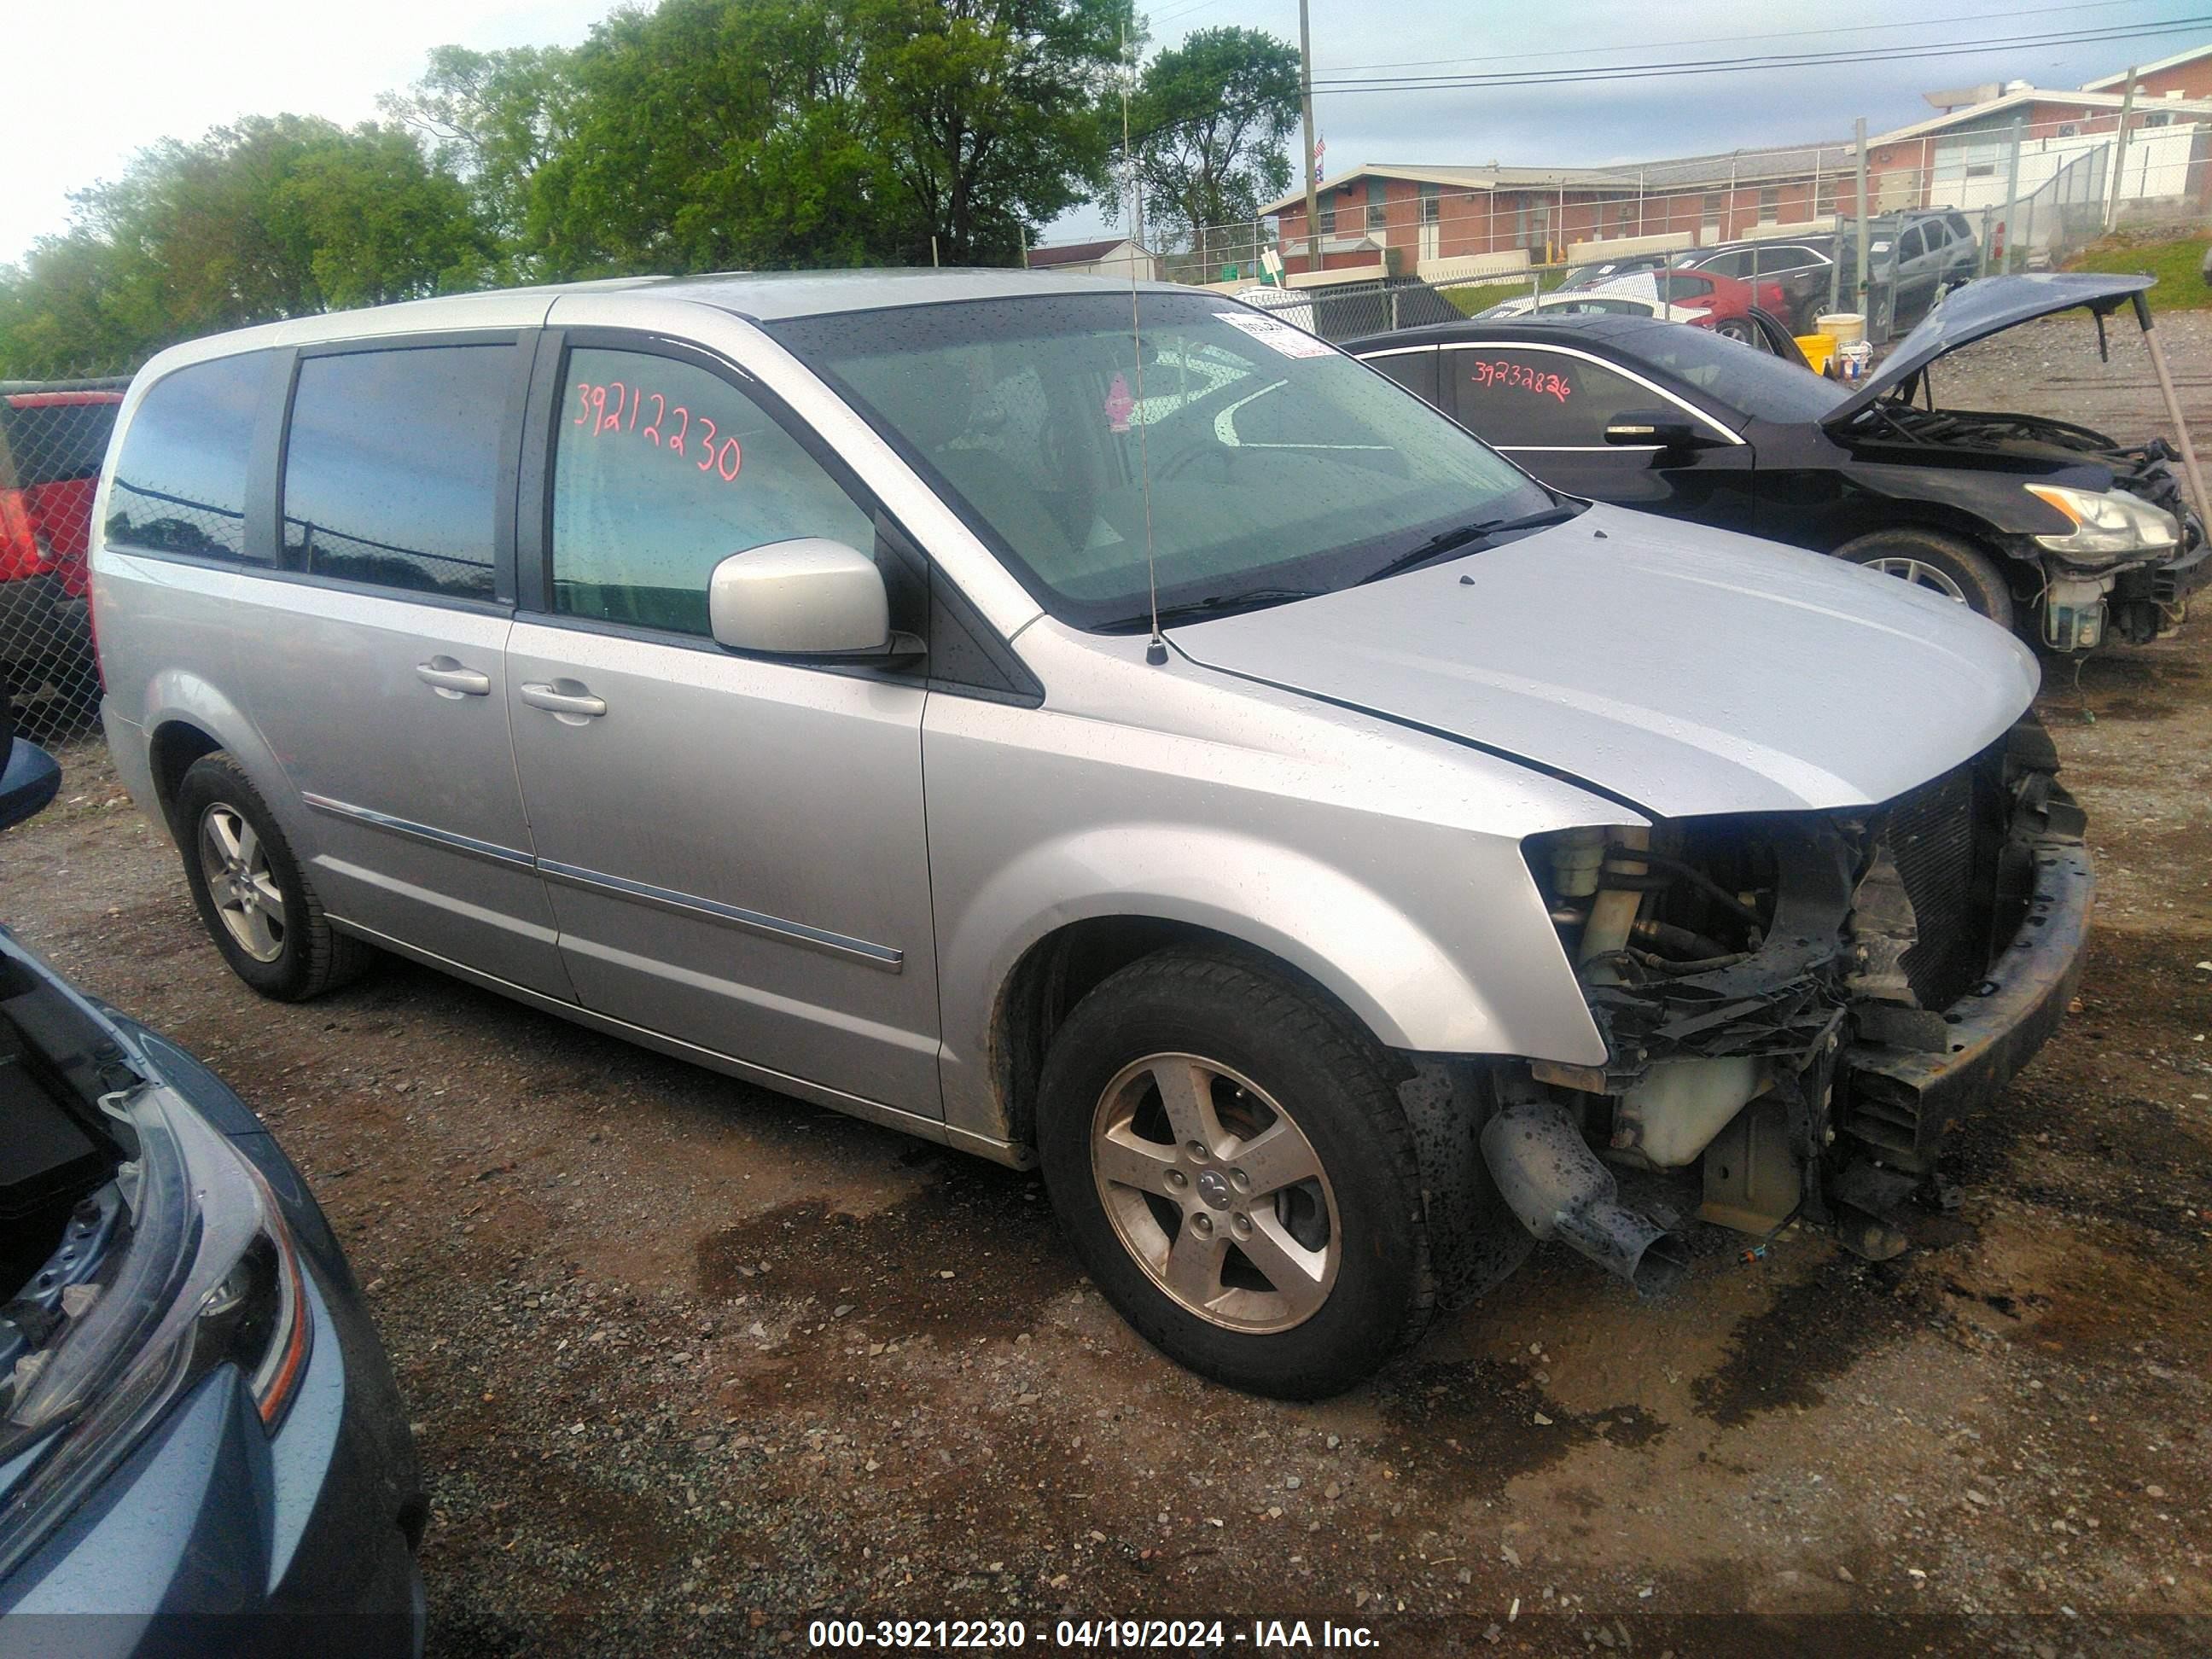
{"x": 1411, "y": 988}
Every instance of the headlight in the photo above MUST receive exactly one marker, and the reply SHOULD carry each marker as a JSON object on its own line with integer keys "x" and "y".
{"x": 210, "y": 1276}
{"x": 2103, "y": 524}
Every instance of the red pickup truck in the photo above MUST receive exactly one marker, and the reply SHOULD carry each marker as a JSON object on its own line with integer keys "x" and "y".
{"x": 53, "y": 435}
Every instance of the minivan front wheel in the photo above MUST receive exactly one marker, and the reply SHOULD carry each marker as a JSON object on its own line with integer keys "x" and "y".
{"x": 1236, "y": 1175}
{"x": 1941, "y": 564}
{"x": 253, "y": 898}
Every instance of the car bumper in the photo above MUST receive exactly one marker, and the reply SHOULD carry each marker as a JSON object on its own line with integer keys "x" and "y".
{"x": 214, "y": 1535}
{"x": 2185, "y": 574}
{"x": 1900, "y": 1103}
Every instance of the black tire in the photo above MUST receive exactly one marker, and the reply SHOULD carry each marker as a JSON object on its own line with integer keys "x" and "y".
{"x": 311, "y": 956}
{"x": 1324, "y": 1074}
{"x": 1975, "y": 575}
{"x": 1733, "y": 328}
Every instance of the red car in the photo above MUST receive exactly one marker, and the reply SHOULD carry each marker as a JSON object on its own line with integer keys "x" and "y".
{"x": 1726, "y": 302}
{"x": 52, "y": 437}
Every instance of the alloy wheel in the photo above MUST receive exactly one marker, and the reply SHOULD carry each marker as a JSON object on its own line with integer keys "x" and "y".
{"x": 1920, "y": 574}
{"x": 241, "y": 883}
{"x": 1216, "y": 1193}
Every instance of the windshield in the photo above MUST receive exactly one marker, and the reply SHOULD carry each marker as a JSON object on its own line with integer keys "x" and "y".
{"x": 1274, "y": 461}
{"x": 1762, "y": 387}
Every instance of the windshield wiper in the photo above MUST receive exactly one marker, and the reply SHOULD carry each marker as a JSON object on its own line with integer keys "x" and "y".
{"x": 1467, "y": 535}
{"x": 1217, "y": 605}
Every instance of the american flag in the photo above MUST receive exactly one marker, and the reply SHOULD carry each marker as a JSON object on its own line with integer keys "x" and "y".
{"x": 1321, "y": 146}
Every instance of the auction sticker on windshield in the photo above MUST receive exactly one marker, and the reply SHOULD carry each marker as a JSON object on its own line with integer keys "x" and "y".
{"x": 1275, "y": 333}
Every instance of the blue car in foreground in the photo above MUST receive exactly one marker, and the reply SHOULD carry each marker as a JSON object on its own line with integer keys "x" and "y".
{"x": 201, "y": 1449}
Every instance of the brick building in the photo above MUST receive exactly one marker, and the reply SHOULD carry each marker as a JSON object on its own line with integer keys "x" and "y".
{"x": 1963, "y": 158}
{"x": 1425, "y": 220}
{"x": 1439, "y": 221}
{"x": 2184, "y": 74}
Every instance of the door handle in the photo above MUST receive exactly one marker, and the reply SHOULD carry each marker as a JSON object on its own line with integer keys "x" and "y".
{"x": 450, "y": 679}
{"x": 577, "y": 704}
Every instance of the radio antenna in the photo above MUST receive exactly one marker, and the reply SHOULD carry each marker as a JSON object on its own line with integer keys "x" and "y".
{"x": 1156, "y": 651}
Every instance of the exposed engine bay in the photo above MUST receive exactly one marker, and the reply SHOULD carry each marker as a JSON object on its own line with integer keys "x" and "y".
{"x": 1780, "y": 995}
{"x": 61, "y": 1210}
{"x": 2144, "y": 591}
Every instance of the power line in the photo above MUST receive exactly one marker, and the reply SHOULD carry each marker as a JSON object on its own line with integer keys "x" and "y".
{"x": 1760, "y": 61}
{"x": 1752, "y": 64}
{"x": 1208, "y": 5}
{"x": 1734, "y": 39}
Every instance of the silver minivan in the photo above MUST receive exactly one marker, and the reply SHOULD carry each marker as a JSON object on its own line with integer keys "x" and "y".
{"x": 1097, "y": 726}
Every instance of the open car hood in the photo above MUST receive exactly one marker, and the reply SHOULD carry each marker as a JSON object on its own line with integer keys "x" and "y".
{"x": 1988, "y": 306}
{"x": 1686, "y": 670}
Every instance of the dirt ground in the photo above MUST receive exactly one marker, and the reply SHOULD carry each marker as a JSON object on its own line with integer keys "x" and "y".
{"x": 675, "y": 1346}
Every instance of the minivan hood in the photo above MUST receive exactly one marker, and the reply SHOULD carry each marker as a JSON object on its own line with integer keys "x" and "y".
{"x": 1684, "y": 669}
{"x": 1989, "y": 306}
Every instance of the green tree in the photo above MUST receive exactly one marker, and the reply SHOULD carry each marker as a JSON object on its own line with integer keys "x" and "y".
{"x": 275, "y": 217}
{"x": 1211, "y": 123}
{"x": 986, "y": 110}
{"x": 75, "y": 304}
{"x": 704, "y": 134}
{"x": 708, "y": 134}
{"x": 493, "y": 119}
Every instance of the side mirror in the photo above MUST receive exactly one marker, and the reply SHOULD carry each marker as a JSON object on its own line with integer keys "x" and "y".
{"x": 807, "y": 598}
{"x": 1651, "y": 428}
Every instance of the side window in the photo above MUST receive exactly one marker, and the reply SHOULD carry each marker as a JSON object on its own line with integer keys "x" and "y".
{"x": 1416, "y": 371}
{"x": 180, "y": 484}
{"x": 661, "y": 471}
{"x": 1527, "y": 397}
{"x": 1775, "y": 260}
{"x": 1908, "y": 245}
{"x": 391, "y": 466}
{"x": 1736, "y": 264}
{"x": 1684, "y": 285}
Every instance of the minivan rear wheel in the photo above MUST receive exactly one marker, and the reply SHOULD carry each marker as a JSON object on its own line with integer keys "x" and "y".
{"x": 1236, "y": 1173}
{"x": 253, "y": 896}
{"x": 1943, "y": 564}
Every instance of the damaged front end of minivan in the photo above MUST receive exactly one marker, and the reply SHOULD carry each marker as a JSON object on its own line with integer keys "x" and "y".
{"x": 1795, "y": 1007}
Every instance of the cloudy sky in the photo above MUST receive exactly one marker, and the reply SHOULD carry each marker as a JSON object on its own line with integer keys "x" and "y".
{"x": 123, "y": 74}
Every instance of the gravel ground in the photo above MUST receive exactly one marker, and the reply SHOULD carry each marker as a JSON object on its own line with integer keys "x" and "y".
{"x": 2053, "y": 368}
{"x": 677, "y": 1346}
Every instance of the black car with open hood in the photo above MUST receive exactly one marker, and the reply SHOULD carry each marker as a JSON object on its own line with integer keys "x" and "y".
{"x": 2016, "y": 515}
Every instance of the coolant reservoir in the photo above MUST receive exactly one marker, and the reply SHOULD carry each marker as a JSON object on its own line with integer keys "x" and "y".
{"x": 1577, "y": 855}
{"x": 1669, "y": 1118}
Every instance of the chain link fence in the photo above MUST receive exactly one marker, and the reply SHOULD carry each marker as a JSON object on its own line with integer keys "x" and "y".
{"x": 2036, "y": 191}
{"x": 53, "y": 435}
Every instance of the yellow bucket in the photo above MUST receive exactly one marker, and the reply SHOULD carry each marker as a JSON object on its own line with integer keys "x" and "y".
{"x": 1818, "y": 349}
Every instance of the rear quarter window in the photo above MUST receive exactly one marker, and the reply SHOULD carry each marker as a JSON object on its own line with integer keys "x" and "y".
{"x": 391, "y": 466}
{"x": 179, "y": 482}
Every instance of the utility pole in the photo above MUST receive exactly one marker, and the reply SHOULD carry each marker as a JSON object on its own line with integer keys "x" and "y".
{"x": 2012, "y": 197}
{"x": 1866, "y": 277}
{"x": 2120, "y": 152}
{"x": 1305, "y": 98}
